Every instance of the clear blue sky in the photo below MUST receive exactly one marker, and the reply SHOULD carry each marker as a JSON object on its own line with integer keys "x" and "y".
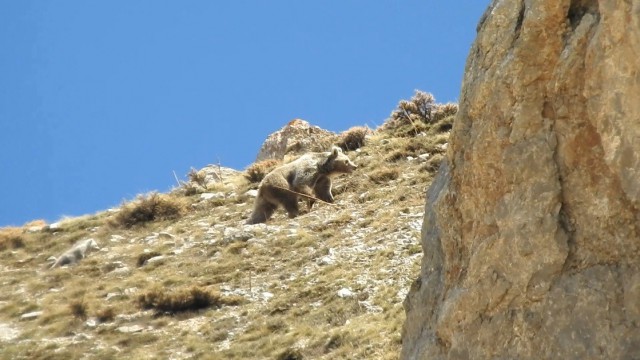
{"x": 103, "y": 100}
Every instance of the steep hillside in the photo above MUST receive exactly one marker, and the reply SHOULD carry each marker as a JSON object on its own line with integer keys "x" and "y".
{"x": 180, "y": 276}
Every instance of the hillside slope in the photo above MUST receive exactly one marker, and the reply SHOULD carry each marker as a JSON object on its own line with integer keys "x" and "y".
{"x": 198, "y": 283}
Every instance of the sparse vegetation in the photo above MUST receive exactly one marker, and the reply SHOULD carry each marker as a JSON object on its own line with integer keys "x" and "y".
{"x": 328, "y": 284}
{"x": 354, "y": 138}
{"x": 78, "y": 309}
{"x": 11, "y": 238}
{"x": 257, "y": 171}
{"x": 185, "y": 300}
{"x": 197, "y": 177}
{"x": 105, "y": 314}
{"x": 153, "y": 207}
{"x": 384, "y": 175}
{"x": 417, "y": 115}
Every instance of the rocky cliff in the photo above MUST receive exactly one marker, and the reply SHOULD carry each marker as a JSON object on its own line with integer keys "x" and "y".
{"x": 531, "y": 229}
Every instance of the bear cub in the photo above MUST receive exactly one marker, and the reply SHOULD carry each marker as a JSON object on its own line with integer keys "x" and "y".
{"x": 310, "y": 174}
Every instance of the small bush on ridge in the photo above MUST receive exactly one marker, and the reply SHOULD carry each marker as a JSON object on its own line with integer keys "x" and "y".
{"x": 149, "y": 208}
{"x": 257, "y": 171}
{"x": 353, "y": 138}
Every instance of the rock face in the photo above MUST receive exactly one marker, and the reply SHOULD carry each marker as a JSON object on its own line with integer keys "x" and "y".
{"x": 298, "y": 136}
{"x": 531, "y": 233}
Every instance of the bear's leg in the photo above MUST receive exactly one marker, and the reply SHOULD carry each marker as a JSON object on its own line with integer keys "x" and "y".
{"x": 290, "y": 203}
{"x": 262, "y": 211}
{"x": 322, "y": 189}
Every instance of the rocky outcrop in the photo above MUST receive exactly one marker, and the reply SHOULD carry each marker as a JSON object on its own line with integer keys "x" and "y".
{"x": 297, "y": 137}
{"x": 531, "y": 234}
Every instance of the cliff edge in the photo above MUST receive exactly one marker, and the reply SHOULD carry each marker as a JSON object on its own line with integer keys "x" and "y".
{"x": 531, "y": 229}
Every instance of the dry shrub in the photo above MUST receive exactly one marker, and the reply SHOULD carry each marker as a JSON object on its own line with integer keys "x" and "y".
{"x": 411, "y": 116}
{"x": 257, "y": 171}
{"x": 384, "y": 175}
{"x": 396, "y": 156}
{"x": 185, "y": 300}
{"x": 11, "y": 238}
{"x": 290, "y": 354}
{"x": 105, "y": 314}
{"x": 443, "y": 111}
{"x": 149, "y": 208}
{"x": 433, "y": 164}
{"x": 417, "y": 115}
{"x": 78, "y": 309}
{"x": 353, "y": 138}
{"x": 197, "y": 177}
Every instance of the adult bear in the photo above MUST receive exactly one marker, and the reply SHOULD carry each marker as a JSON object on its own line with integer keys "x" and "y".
{"x": 308, "y": 175}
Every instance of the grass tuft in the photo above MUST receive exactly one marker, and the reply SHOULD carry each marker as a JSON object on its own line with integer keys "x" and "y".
{"x": 183, "y": 300}
{"x": 354, "y": 138}
{"x": 257, "y": 171}
{"x": 11, "y": 238}
{"x": 383, "y": 175}
{"x": 290, "y": 354}
{"x": 105, "y": 314}
{"x": 78, "y": 309}
{"x": 150, "y": 208}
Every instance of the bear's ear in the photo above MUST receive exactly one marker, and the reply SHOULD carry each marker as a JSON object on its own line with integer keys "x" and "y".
{"x": 335, "y": 151}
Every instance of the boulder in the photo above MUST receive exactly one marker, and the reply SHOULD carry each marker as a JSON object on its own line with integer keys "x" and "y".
{"x": 297, "y": 137}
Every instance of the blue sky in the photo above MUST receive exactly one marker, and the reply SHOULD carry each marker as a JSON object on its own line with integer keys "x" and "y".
{"x": 103, "y": 100}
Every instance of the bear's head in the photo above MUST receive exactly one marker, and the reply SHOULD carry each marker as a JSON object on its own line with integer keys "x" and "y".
{"x": 338, "y": 162}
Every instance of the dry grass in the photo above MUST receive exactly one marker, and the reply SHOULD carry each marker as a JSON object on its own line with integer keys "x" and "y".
{"x": 105, "y": 314}
{"x": 197, "y": 177}
{"x": 183, "y": 300}
{"x": 78, "y": 309}
{"x": 418, "y": 115}
{"x": 354, "y": 138}
{"x": 153, "y": 207}
{"x": 384, "y": 175}
{"x": 232, "y": 291}
{"x": 257, "y": 171}
{"x": 11, "y": 238}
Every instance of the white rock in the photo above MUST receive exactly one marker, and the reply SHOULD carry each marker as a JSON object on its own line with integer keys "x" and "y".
{"x": 91, "y": 323}
{"x": 156, "y": 260}
{"x": 120, "y": 271}
{"x": 166, "y": 235}
{"x": 35, "y": 229}
{"x": 252, "y": 193}
{"x": 345, "y": 293}
{"x": 326, "y": 260}
{"x": 130, "y": 329}
{"x": 209, "y": 196}
{"x": 116, "y": 238}
{"x": 424, "y": 156}
{"x": 267, "y": 295}
{"x": 235, "y": 234}
{"x": 31, "y": 315}
{"x": 7, "y": 333}
{"x": 53, "y": 227}
{"x": 113, "y": 295}
{"x": 130, "y": 291}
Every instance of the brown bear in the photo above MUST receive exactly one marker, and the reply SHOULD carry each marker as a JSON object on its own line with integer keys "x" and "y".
{"x": 310, "y": 175}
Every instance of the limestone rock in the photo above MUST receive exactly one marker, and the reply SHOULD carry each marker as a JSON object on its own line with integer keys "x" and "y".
{"x": 31, "y": 315}
{"x": 531, "y": 229}
{"x": 298, "y": 136}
